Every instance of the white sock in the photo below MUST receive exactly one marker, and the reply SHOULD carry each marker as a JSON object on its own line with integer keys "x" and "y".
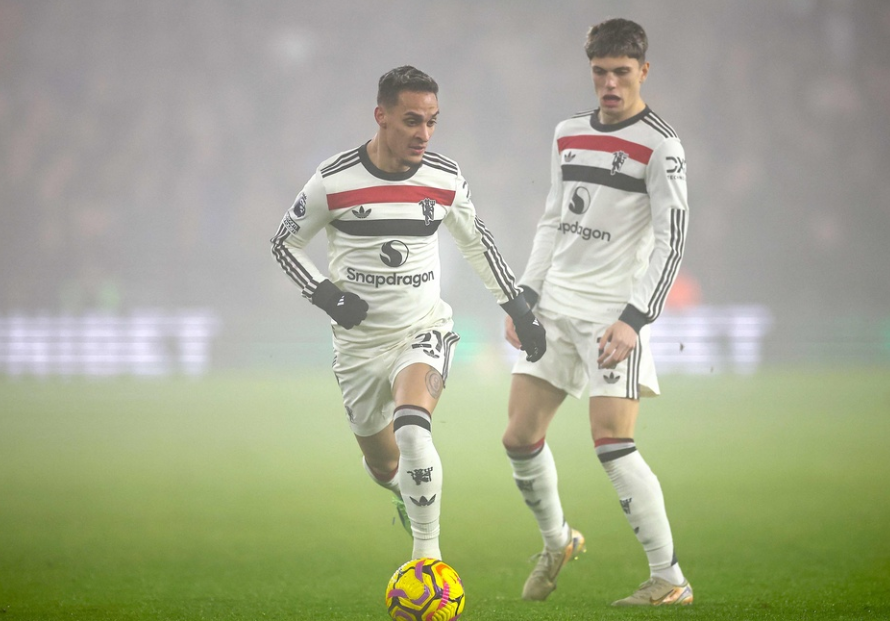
{"x": 534, "y": 472}
{"x": 420, "y": 478}
{"x": 643, "y": 503}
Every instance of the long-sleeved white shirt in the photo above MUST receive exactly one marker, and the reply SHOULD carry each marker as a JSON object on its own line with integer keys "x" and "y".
{"x": 614, "y": 226}
{"x": 382, "y": 241}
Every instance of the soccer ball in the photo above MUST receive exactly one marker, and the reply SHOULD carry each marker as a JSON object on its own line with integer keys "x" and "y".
{"x": 425, "y": 589}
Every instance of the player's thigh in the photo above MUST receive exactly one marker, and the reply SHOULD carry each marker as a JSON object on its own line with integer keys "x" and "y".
{"x": 532, "y": 405}
{"x": 418, "y": 385}
{"x": 613, "y": 417}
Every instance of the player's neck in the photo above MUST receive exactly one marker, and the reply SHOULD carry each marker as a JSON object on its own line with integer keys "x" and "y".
{"x": 381, "y": 157}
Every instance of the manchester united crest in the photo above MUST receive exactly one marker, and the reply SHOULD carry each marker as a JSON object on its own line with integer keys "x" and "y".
{"x": 428, "y": 205}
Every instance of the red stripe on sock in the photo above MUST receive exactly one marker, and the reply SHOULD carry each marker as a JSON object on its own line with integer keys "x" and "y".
{"x": 525, "y": 450}
{"x": 603, "y": 441}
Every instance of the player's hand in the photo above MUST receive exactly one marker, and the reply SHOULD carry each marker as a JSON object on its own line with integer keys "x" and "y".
{"x": 531, "y": 336}
{"x": 617, "y": 342}
{"x": 510, "y": 333}
{"x": 344, "y": 307}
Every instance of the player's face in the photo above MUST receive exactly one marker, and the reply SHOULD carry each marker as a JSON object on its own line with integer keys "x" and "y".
{"x": 617, "y": 82}
{"x": 406, "y": 129}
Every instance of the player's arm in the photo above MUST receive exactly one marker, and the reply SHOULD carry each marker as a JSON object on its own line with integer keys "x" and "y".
{"x": 477, "y": 245}
{"x": 545, "y": 235}
{"x": 300, "y": 224}
{"x": 542, "y": 245}
{"x": 666, "y": 185}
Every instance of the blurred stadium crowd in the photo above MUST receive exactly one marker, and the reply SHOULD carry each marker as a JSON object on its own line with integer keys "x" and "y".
{"x": 148, "y": 150}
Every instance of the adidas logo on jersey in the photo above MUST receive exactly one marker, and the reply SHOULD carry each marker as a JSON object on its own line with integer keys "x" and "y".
{"x": 361, "y": 212}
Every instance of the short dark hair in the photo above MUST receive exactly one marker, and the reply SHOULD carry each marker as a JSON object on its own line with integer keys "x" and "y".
{"x": 404, "y": 78}
{"x": 617, "y": 37}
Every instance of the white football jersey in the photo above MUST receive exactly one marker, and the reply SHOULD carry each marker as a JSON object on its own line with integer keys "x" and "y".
{"x": 614, "y": 225}
{"x": 382, "y": 241}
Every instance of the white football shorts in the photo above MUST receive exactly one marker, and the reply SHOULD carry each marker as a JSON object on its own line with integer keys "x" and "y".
{"x": 366, "y": 376}
{"x": 570, "y": 361}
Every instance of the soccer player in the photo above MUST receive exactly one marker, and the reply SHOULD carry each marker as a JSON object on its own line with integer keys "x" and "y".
{"x": 605, "y": 254}
{"x": 381, "y": 205}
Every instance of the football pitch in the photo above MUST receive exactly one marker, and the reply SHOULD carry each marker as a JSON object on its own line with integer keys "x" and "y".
{"x": 243, "y": 497}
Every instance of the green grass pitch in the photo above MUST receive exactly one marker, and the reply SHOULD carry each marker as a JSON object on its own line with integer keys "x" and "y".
{"x": 243, "y": 497}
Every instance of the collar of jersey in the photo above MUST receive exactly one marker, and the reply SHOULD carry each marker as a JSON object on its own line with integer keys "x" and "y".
{"x": 614, "y": 127}
{"x": 382, "y": 174}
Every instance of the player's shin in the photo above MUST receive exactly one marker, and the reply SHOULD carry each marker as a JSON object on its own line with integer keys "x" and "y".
{"x": 534, "y": 472}
{"x": 642, "y": 501}
{"x": 420, "y": 478}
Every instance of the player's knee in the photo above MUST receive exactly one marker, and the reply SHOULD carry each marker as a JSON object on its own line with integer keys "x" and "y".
{"x": 520, "y": 433}
{"x": 383, "y": 469}
{"x": 522, "y": 447}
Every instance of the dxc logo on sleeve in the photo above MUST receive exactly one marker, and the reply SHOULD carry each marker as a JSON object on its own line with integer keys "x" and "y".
{"x": 676, "y": 167}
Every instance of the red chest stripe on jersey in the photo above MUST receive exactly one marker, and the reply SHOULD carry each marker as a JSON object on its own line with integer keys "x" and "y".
{"x": 388, "y": 194}
{"x": 609, "y": 144}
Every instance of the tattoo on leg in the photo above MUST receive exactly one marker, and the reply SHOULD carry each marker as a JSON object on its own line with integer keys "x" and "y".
{"x": 434, "y": 383}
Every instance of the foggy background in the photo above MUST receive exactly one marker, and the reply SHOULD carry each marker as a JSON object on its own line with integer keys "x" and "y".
{"x": 150, "y": 149}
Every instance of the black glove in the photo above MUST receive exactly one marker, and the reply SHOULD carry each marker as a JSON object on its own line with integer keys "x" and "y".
{"x": 531, "y": 296}
{"x": 532, "y": 336}
{"x": 344, "y": 307}
{"x": 531, "y": 333}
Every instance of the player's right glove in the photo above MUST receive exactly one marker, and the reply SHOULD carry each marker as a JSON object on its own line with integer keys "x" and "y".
{"x": 532, "y": 336}
{"x": 344, "y": 307}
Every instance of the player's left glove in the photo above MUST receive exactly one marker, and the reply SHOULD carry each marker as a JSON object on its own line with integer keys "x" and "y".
{"x": 532, "y": 336}
{"x": 344, "y": 307}
{"x": 529, "y": 330}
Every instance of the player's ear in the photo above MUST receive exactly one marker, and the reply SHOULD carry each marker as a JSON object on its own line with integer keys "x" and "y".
{"x": 644, "y": 71}
{"x": 380, "y": 116}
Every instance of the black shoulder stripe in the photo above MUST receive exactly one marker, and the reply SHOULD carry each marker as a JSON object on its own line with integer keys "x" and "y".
{"x": 441, "y": 162}
{"x": 664, "y": 124}
{"x": 436, "y": 165}
{"x": 578, "y": 115}
{"x": 341, "y": 167}
{"x": 653, "y": 121}
{"x": 347, "y": 160}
